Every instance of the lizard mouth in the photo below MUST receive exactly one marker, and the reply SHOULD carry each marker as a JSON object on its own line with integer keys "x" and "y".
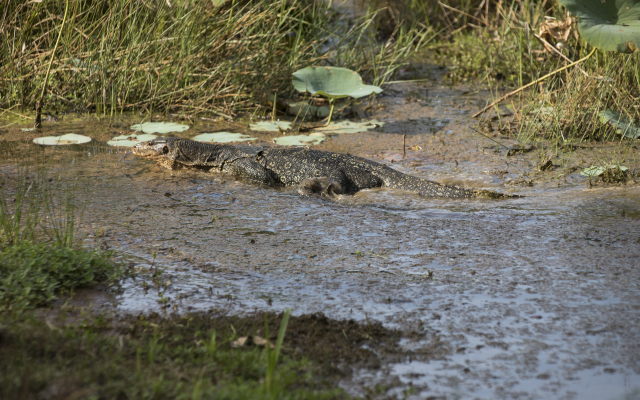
{"x": 150, "y": 149}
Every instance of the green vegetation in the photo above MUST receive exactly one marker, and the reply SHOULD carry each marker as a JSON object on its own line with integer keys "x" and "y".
{"x": 181, "y": 55}
{"x": 332, "y": 83}
{"x": 34, "y": 274}
{"x": 189, "y": 357}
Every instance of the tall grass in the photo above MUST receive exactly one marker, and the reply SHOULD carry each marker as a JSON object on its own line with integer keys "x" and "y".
{"x": 36, "y": 207}
{"x": 181, "y": 55}
{"x": 493, "y": 43}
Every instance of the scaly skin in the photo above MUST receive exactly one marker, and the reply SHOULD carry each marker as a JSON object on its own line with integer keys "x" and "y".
{"x": 313, "y": 170}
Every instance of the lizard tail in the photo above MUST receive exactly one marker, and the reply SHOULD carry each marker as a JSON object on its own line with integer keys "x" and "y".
{"x": 429, "y": 188}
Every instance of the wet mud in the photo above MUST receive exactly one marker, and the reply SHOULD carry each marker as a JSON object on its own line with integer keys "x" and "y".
{"x": 528, "y": 298}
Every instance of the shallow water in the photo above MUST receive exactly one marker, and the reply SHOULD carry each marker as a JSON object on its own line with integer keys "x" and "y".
{"x": 536, "y": 297}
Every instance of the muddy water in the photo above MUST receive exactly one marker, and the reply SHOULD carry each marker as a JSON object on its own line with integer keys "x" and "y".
{"x": 536, "y": 297}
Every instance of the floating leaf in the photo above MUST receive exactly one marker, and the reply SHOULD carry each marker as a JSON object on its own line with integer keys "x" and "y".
{"x": 300, "y": 140}
{"x": 623, "y": 125}
{"x": 597, "y": 171}
{"x": 270, "y": 126}
{"x": 593, "y": 171}
{"x": 69, "y": 138}
{"x": 28, "y": 129}
{"x": 612, "y": 25}
{"x": 332, "y": 82}
{"x": 130, "y": 140}
{"x": 159, "y": 127}
{"x": 349, "y": 127}
{"x": 223, "y": 137}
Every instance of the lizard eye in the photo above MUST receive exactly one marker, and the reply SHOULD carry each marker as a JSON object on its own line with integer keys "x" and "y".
{"x": 165, "y": 149}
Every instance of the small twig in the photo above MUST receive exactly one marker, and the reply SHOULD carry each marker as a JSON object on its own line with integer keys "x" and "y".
{"x": 493, "y": 140}
{"x": 404, "y": 146}
{"x": 532, "y": 83}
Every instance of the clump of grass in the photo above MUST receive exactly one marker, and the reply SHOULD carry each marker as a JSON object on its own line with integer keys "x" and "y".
{"x": 568, "y": 107}
{"x": 178, "y": 55}
{"x": 33, "y": 274}
{"x": 145, "y": 358}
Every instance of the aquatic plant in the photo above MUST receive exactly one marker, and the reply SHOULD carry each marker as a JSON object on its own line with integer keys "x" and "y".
{"x": 223, "y": 137}
{"x": 130, "y": 140}
{"x": 300, "y": 140}
{"x": 608, "y": 25}
{"x": 333, "y": 83}
{"x": 69, "y": 138}
{"x": 159, "y": 127}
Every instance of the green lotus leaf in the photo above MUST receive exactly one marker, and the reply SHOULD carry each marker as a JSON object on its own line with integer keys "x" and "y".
{"x": 349, "y": 127}
{"x": 159, "y": 127}
{"x": 593, "y": 171}
{"x": 69, "y": 138}
{"x": 270, "y": 126}
{"x": 597, "y": 171}
{"x": 130, "y": 140}
{"x": 300, "y": 140}
{"x": 623, "y": 125}
{"x": 612, "y": 25}
{"x": 332, "y": 82}
{"x": 222, "y": 137}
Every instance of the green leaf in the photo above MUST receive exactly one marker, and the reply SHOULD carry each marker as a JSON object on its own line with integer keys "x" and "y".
{"x": 349, "y": 127}
{"x": 222, "y": 137}
{"x": 270, "y": 126}
{"x": 593, "y": 171}
{"x": 623, "y": 125}
{"x": 69, "y": 138}
{"x": 159, "y": 127}
{"x": 300, "y": 140}
{"x": 130, "y": 140}
{"x": 612, "y": 25}
{"x": 332, "y": 82}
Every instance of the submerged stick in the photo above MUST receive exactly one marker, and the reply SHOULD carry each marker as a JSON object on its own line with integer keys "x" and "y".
{"x": 532, "y": 83}
{"x": 38, "y": 122}
{"x": 125, "y": 156}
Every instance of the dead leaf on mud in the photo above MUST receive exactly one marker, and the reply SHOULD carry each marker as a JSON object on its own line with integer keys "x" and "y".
{"x": 557, "y": 31}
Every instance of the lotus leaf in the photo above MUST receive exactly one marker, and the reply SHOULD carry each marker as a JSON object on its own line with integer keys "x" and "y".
{"x": 270, "y": 126}
{"x": 612, "y": 25}
{"x": 130, "y": 140}
{"x": 222, "y": 137}
{"x": 593, "y": 171}
{"x": 69, "y": 138}
{"x": 332, "y": 82}
{"x": 159, "y": 127}
{"x": 350, "y": 127}
{"x": 300, "y": 140}
{"x": 622, "y": 124}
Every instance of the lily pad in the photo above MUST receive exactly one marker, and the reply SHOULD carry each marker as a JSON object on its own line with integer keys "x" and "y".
{"x": 332, "y": 82}
{"x": 130, "y": 140}
{"x": 223, "y": 137}
{"x": 300, "y": 140}
{"x": 28, "y": 129}
{"x": 159, "y": 127}
{"x": 623, "y": 125}
{"x": 69, "y": 138}
{"x": 270, "y": 126}
{"x": 597, "y": 171}
{"x": 612, "y": 25}
{"x": 349, "y": 127}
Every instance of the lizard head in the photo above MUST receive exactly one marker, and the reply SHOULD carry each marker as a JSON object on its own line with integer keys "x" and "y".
{"x": 156, "y": 148}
